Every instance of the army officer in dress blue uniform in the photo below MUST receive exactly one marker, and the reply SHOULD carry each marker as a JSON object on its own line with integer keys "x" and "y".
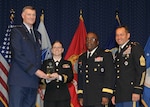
{"x": 61, "y": 73}
{"x": 130, "y": 70}
{"x": 23, "y": 77}
{"x": 95, "y": 74}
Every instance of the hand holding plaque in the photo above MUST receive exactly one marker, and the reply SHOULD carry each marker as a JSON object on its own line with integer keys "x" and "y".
{"x": 50, "y": 68}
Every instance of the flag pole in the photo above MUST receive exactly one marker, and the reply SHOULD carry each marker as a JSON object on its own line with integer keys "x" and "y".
{"x": 12, "y": 16}
{"x": 5, "y": 61}
{"x": 81, "y": 15}
{"x": 117, "y": 18}
{"x": 42, "y": 16}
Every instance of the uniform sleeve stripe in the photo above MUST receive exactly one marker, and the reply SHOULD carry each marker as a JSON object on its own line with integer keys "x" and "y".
{"x": 138, "y": 87}
{"x": 143, "y": 77}
{"x": 107, "y": 90}
{"x": 65, "y": 78}
{"x": 80, "y": 92}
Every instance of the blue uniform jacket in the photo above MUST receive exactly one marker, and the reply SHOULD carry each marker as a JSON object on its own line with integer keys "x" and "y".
{"x": 26, "y": 57}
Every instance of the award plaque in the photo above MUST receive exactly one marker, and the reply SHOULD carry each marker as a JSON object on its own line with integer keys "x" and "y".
{"x": 50, "y": 68}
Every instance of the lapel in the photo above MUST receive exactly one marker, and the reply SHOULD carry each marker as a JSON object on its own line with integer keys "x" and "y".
{"x": 29, "y": 35}
{"x": 94, "y": 55}
{"x": 27, "y": 32}
{"x": 125, "y": 47}
{"x": 97, "y": 52}
{"x": 61, "y": 61}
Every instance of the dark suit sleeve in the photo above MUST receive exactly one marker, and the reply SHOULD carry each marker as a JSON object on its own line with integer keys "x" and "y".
{"x": 140, "y": 67}
{"x": 109, "y": 78}
{"x": 67, "y": 76}
{"x": 80, "y": 78}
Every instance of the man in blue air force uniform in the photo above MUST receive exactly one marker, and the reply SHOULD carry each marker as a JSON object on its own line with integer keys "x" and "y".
{"x": 23, "y": 77}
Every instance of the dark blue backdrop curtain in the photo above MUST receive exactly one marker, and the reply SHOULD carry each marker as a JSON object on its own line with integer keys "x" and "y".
{"x": 62, "y": 17}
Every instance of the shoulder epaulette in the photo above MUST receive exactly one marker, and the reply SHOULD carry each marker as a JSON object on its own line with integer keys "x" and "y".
{"x": 17, "y": 26}
{"x": 134, "y": 43}
{"x": 107, "y": 50}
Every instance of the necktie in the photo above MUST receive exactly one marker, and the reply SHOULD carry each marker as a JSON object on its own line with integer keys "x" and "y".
{"x": 32, "y": 33}
{"x": 57, "y": 62}
{"x": 89, "y": 55}
{"x": 119, "y": 49}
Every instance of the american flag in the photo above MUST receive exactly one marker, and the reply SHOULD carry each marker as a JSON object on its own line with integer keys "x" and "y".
{"x": 5, "y": 60}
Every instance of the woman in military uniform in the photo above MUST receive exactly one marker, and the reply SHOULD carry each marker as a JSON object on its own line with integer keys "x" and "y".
{"x": 60, "y": 73}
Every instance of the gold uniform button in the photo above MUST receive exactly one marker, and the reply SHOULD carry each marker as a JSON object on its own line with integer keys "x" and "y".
{"x": 131, "y": 83}
{"x": 98, "y": 65}
{"x": 95, "y": 69}
{"x": 87, "y": 81}
{"x": 127, "y": 55}
{"x": 117, "y": 65}
{"x": 57, "y": 86}
{"x": 118, "y": 77}
{"x": 87, "y": 66}
{"x": 56, "y": 69}
{"x": 118, "y": 71}
{"x": 87, "y": 76}
{"x": 117, "y": 59}
{"x": 86, "y": 70}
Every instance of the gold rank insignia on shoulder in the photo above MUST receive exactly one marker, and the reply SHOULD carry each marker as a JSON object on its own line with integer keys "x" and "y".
{"x": 142, "y": 61}
{"x": 107, "y": 50}
{"x": 17, "y": 26}
{"x": 134, "y": 43}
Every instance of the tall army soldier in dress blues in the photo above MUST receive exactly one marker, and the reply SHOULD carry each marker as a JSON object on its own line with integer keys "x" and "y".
{"x": 23, "y": 77}
{"x": 130, "y": 70}
{"x": 95, "y": 74}
{"x": 61, "y": 73}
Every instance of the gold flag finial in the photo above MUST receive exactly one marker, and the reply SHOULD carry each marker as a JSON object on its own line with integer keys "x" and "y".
{"x": 81, "y": 15}
{"x": 12, "y": 12}
{"x": 117, "y": 18}
{"x": 42, "y": 16}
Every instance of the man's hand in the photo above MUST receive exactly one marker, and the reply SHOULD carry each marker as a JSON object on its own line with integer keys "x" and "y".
{"x": 54, "y": 75}
{"x": 41, "y": 93}
{"x": 113, "y": 100}
{"x": 41, "y": 74}
{"x": 105, "y": 100}
{"x": 81, "y": 101}
{"x": 135, "y": 97}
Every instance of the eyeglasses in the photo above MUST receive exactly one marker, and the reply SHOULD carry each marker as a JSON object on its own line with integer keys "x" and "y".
{"x": 91, "y": 39}
{"x": 56, "y": 47}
